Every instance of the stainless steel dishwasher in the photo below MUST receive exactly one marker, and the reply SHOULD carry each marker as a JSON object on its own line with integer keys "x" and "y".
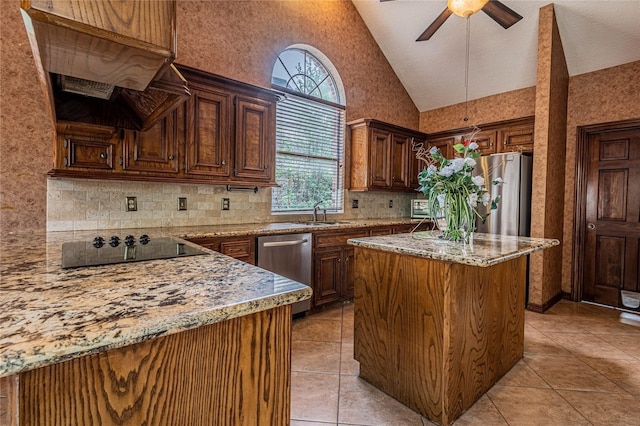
{"x": 288, "y": 255}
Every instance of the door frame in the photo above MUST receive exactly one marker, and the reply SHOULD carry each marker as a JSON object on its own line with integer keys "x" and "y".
{"x": 579, "y": 222}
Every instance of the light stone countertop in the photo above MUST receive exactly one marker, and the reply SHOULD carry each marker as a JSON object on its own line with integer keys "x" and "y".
{"x": 49, "y": 314}
{"x": 484, "y": 249}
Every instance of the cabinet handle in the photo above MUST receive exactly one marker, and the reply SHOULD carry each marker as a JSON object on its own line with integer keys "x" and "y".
{"x": 103, "y": 155}
{"x": 223, "y": 162}
{"x": 171, "y": 157}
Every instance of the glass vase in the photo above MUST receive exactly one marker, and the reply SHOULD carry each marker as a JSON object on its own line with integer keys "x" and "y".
{"x": 456, "y": 220}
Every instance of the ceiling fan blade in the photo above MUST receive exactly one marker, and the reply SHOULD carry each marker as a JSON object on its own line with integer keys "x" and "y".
{"x": 426, "y": 35}
{"x": 501, "y": 13}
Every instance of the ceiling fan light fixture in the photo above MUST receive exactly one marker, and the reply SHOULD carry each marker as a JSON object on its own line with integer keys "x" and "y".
{"x": 465, "y": 8}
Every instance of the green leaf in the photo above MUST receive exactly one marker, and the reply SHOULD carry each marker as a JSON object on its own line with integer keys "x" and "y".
{"x": 459, "y": 147}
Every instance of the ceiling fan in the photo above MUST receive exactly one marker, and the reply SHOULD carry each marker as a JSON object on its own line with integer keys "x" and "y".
{"x": 465, "y": 8}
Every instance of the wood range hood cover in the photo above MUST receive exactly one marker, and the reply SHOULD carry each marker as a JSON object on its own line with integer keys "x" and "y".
{"x": 106, "y": 62}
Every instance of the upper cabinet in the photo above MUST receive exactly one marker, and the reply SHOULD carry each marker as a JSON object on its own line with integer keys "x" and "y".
{"x": 506, "y": 136}
{"x": 224, "y": 134}
{"x": 382, "y": 156}
{"x": 107, "y": 62}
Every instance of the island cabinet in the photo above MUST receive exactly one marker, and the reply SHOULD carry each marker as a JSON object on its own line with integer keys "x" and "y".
{"x": 382, "y": 156}
{"x": 436, "y": 323}
{"x": 224, "y": 134}
{"x": 506, "y": 136}
{"x": 227, "y": 373}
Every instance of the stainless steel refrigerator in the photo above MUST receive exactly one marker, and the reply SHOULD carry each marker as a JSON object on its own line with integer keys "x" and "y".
{"x": 513, "y": 216}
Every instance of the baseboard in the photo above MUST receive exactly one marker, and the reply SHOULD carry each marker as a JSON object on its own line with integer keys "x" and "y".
{"x": 545, "y": 306}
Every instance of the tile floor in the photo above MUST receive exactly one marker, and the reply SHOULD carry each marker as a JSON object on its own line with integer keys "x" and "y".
{"x": 581, "y": 366}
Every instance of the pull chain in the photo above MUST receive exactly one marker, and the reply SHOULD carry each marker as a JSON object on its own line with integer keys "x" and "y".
{"x": 466, "y": 73}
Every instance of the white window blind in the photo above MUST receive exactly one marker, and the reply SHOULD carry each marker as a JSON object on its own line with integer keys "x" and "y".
{"x": 309, "y": 156}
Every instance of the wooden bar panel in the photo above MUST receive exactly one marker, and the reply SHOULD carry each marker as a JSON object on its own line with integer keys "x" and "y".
{"x": 436, "y": 335}
{"x": 235, "y": 372}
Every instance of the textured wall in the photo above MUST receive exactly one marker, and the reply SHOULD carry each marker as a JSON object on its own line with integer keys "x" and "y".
{"x": 603, "y": 96}
{"x": 548, "y": 160}
{"x": 26, "y": 130}
{"x": 242, "y": 39}
{"x": 504, "y": 106}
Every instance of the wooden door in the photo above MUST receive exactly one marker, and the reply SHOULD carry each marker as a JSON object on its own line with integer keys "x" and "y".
{"x": 208, "y": 132}
{"x": 380, "y": 156}
{"x": 87, "y": 148}
{"x": 155, "y": 150}
{"x": 486, "y": 142}
{"x": 255, "y": 139}
{"x": 415, "y": 165}
{"x": 612, "y": 216}
{"x": 516, "y": 138}
{"x": 401, "y": 146}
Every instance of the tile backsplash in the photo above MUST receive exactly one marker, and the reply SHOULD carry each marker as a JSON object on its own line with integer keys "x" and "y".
{"x": 84, "y": 205}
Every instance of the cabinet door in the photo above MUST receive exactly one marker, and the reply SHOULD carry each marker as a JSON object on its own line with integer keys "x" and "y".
{"x": 348, "y": 259}
{"x": 327, "y": 286}
{"x": 401, "y": 146}
{"x": 517, "y": 138}
{"x": 208, "y": 133}
{"x": 255, "y": 139}
{"x": 86, "y": 151}
{"x": 155, "y": 150}
{"x": 380, "y": 156}
{"x": 445, "y": 145}
{"x": 486, "y": 142}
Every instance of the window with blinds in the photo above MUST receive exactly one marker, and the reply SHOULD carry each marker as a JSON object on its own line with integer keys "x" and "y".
{"x": 309, "y": 136}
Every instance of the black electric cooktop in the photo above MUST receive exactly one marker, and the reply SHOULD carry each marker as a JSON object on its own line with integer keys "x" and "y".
{"x": 100, "y": 251}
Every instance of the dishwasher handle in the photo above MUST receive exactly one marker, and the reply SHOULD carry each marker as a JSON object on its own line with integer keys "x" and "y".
{"x": 285, "y": 243}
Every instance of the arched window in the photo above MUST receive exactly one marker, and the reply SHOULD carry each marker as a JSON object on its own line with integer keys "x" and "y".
{"x": 309, "y": 134}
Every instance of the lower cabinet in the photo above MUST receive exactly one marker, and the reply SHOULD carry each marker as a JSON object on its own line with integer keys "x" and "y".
{"x": 333, "y": 260}
{"x": 241, "y": 248}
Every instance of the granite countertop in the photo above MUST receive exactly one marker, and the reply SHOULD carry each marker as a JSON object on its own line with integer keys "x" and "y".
{"x": 280, "y": 228}
{"x": 50, "y": 314}
{"x": 484, "y": 249}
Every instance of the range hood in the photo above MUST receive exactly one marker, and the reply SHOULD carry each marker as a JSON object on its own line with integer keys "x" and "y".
{"x": 106, "y": 62}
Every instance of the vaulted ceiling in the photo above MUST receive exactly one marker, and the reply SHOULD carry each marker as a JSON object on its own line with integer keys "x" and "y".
{"x": 595, "y": 35}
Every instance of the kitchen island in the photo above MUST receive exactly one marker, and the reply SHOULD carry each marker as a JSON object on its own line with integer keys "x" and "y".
{"x": 198, "y": 340}
{"x": 437, "y": 323}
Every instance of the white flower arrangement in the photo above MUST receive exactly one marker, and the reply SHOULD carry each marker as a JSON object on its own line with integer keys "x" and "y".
{"x": 452, "y": 190}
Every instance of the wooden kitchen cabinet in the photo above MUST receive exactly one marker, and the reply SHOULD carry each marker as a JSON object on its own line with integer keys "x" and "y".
{"x": 241, "y": 248}
{"x": 224, "y": 135}
{"x": 208, "y": 140}
{"x": 155, "y": 150}
{"x": 517, "y": 138}
{"x": 86, "y": 149}
{"x": 333, "y": 270}
{"x": 506, "y": 136}
{"x": 382, "y": 156}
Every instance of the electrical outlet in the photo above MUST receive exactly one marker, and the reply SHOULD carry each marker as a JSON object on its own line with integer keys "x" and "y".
{"x": 182, "y": 203}
{"x": 354, "y": 204}
{"x": 132, "y": 204}
{"x": 390, "y": 204}
{"x": 225, "y": 204}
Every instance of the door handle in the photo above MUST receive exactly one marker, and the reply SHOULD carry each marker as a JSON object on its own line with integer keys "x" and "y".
{"x": 285, "y": 243}
{"x": 591, "y": 226}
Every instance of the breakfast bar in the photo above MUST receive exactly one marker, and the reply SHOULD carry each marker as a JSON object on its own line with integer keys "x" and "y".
{"x": 436, "y": 322}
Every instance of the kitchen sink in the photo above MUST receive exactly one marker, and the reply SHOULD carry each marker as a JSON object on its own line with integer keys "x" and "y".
{"x": 319, "y": 222}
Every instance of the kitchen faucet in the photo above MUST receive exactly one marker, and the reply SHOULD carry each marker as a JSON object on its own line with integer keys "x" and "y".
{"x": 315, "y": 210}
